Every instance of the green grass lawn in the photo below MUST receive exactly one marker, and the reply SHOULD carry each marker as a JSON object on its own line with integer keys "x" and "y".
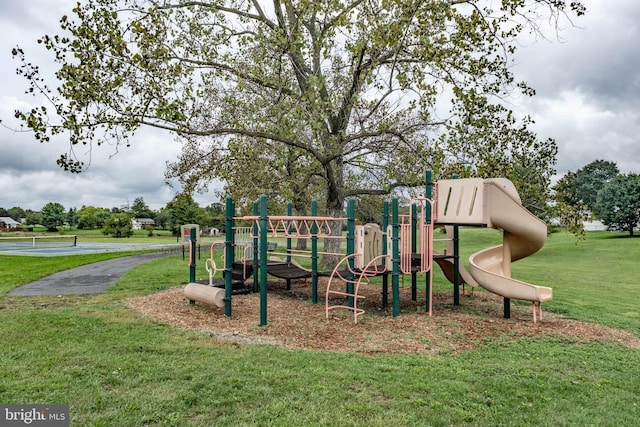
{"x": 116, "y": 368}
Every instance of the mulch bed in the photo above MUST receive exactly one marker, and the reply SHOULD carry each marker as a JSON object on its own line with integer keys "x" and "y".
{"x": 294, "y": 322}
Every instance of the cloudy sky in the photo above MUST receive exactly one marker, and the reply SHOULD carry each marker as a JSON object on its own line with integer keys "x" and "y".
{"x": 588, "y": 98}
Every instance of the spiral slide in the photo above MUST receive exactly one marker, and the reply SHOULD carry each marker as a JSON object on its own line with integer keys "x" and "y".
{"x": 523, "y": 235}
{"x": 496, "y": 203}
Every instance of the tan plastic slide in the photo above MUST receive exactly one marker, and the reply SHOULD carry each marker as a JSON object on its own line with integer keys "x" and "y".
{"x": 523, "y": 235}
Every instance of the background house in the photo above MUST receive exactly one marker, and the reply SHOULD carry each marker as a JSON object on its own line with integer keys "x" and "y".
{"x": 141, "y": 223}
{"x": 8, "y": 222}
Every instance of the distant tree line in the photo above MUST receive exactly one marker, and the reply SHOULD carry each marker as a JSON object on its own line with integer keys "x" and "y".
{"x": 596, "y": 191}
{"x": 599, "y": 191}
{"x": 183, "y": 209}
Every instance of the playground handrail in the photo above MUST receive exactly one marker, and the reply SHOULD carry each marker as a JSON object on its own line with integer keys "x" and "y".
{"x": 210, "y": 263}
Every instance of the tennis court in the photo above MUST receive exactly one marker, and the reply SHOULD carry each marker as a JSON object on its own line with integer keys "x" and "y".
{"x": 69, "y": 245}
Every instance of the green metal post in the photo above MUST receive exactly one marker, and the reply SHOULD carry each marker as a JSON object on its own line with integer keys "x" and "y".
{"x": 263, "y": 260}
{"x": 229, "y": 254}
{"x": 428, "y": 193}
{"x": 256, "y": 242}
{"x": 351, "y": 246}
{"x": 192, "y": 261}
{"x": 456, "y": 262}
{"x": 385, "y": 237}
{"x": 456, "y": 266}
{"x": 395, "y": 257}
{"x": 314, "y": 254}
{"x": 507, "y": 308}
{"x": 192, "y": 265}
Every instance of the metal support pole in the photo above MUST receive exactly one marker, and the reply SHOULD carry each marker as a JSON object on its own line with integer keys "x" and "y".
{"x": 507, "y": 308}
{"x": 385, "y": 237}
{"x": 456, "y": 266}
{"x": 192, "y": 258}
{"x": 263, "y": 260}
{"x": 428, "y": 193}
{"x": 456, "y": 262}
{"x": 256, "y": 255}
{"x": 229, "y": 255}
{"x": 395, "y": 257}
{"x": 351, "y": 247}
{"x": 192, "y": 261}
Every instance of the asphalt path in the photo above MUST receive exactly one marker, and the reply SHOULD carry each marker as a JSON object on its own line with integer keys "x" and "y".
{"x": 87, "y": 279}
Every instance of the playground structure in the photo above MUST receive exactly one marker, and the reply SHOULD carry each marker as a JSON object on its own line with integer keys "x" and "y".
{"x": 403, "y": 245}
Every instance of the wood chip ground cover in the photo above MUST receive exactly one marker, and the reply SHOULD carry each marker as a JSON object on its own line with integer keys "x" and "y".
{"x": 294, "y": 322}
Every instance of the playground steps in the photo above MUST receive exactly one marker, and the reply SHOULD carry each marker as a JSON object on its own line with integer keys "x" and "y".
{"x": 239, "y": 273}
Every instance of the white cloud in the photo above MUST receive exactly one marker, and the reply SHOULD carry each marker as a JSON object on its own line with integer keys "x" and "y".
{"x": 29, "y": 175}
{"x": 588, "y": 99}
{"x": 585, "y": 132}
{"x": 588, "y": 87}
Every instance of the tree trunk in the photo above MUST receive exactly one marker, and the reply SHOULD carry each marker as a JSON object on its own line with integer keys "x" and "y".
{"x": 334, "y": 245}
{"x": 334, "y": 174}
{"x": 300, "y": 204}
{"x": 301, "y": 244}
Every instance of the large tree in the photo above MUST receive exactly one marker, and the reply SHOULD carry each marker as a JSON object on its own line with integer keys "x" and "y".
{"x": 53, "y": 216}
{"x": 184, "y": 210}
{"x": 140, "y": 209}
{"x": 90, "y": 217}
{"x": 331, "y": 98}
{"x": 16, "y": 213}
{"x": 581, "y": 188}
{"x": 72, "y": 217}
{"x": 576, "y": 193}
{"x": 119, "y": 225}
{"x": 33, "y": 217}
{"x": 618, "y": 203}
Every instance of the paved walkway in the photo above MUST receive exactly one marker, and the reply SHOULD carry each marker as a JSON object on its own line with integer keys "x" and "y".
{"x": 87, "y": 279}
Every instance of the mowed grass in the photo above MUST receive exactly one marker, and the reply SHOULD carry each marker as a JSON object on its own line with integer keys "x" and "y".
{"x": 116, "y": 368}
{"x": 597, "y": 279}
